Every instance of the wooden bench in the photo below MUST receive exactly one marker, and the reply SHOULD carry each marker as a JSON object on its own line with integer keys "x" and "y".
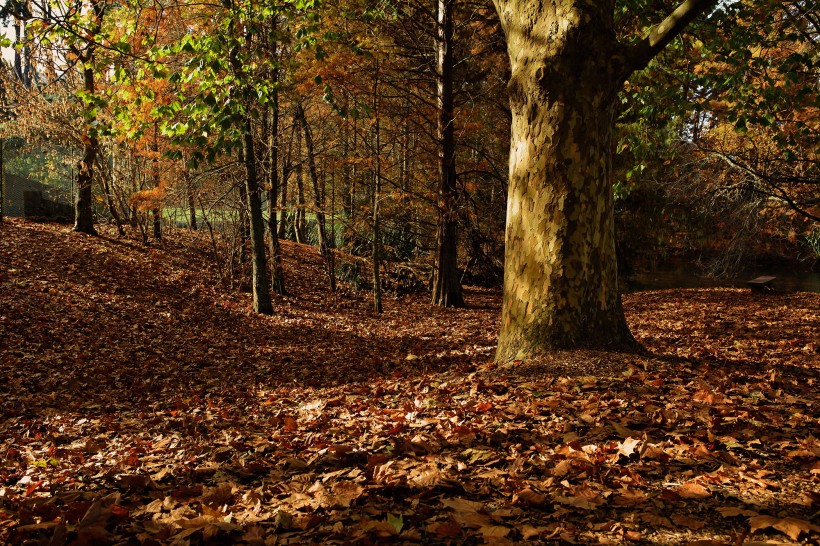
{"x": 761, "y": 284}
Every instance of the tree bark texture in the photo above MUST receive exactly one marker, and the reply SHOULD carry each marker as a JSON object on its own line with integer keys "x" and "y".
{"x": 189, "y": 190}
{"x": 261, "y": 293}
{"x": 560, "y": 275}
{"x": 278, "y": 273}
{"x": 318, "y": 197}
{"x": 155, "y": 212}
{"x": 2, "y": 182}
{"x": 283, "y": 218}
{"x": 259, "y": 268}
{"x": 83, "y": 204}
{"x": 446, "y": 282}
{"x": 377, "y": 185}
{"x": 299, "y": 218}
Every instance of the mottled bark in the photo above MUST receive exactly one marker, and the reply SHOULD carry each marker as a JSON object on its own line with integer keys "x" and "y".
{"x": 560, "y": 275}
{"x": 446, "y": 282}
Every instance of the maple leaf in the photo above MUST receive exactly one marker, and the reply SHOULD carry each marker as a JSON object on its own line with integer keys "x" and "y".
{"x": 627, "y": 447}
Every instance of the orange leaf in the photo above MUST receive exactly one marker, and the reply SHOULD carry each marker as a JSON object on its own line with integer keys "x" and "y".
{"x": 483, "y": 407}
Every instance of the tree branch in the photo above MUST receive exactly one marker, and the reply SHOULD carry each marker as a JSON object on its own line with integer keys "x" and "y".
{"x": 638, "y": 55}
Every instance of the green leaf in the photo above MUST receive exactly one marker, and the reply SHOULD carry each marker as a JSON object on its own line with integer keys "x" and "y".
{"x": 397, "y": 521}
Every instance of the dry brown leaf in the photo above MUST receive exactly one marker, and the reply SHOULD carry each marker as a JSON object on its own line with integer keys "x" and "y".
{"x": 345, "y": 492}
{"x": 425, "y": 476}
{"x": 656, "y": 520}
{"x": 214, "y": 497}
{"x": 379, "y": 527}
{"x": 447, "y": 528}
{"x": 462, "y": 505}
{"x": 494, "y": 531}
{"x": 731, "y": 512}
{"x": 627, "y": 447}
{"x": 792, "y": 527}
{"x": 580, "y": 502}
{"x": 473, "y": 519}
{"x": 693, "y": 490}
{"x": 688, "y": 522}
{"x": 529, "y": 497}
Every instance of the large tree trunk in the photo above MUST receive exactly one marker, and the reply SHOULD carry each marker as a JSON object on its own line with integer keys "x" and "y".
{"x": 560, "y": 276}
{"x": 446, "y": 283}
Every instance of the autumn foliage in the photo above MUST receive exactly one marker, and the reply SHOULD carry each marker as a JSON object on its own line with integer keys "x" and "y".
{"x": 143, "y": 402}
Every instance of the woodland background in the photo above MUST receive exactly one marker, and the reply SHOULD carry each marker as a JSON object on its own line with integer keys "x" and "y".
{"x": 142, "y": 401}
{"x": 716, "y": 155}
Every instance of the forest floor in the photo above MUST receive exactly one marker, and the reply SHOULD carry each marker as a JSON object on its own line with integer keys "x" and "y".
{"x": 142, "y": 403}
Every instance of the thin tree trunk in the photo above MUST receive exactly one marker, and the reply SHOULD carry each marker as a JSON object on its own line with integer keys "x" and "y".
{"x": 318, "y": 202}
{"x": 278, "y": 272}
{"x": 300, "y": 222}
{"x": 446, "y": 282}
{"x": 352, "y": 182}
{"x": 2, "y": 181}
{"x": 189, "y": 190}
{"x": 346, "y": 203}
{"x": 83, "y": 205}
{"x": 244, "y": 222}
{"x": 377, "y": 183}
{"x": 259, "y": 271}
{"x": 261, "y": 292}
{"x": 112, "y": 207}
{"x": 155, "y": 212}
{"x": 286, "y": 168}
{"x": 18, "y": 62}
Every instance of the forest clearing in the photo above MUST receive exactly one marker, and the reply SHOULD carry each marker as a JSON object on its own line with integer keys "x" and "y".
{"x": 143, "y": 403}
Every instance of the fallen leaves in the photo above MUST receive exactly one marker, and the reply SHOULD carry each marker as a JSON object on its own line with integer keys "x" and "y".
{"x": 792, "y": 527}
{"x": 170, "y": 414}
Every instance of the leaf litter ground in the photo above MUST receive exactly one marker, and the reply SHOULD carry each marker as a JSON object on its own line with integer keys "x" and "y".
{"x": 144, "y": 404}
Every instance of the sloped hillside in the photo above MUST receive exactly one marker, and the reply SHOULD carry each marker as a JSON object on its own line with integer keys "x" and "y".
{"x": 142, "y": 403}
